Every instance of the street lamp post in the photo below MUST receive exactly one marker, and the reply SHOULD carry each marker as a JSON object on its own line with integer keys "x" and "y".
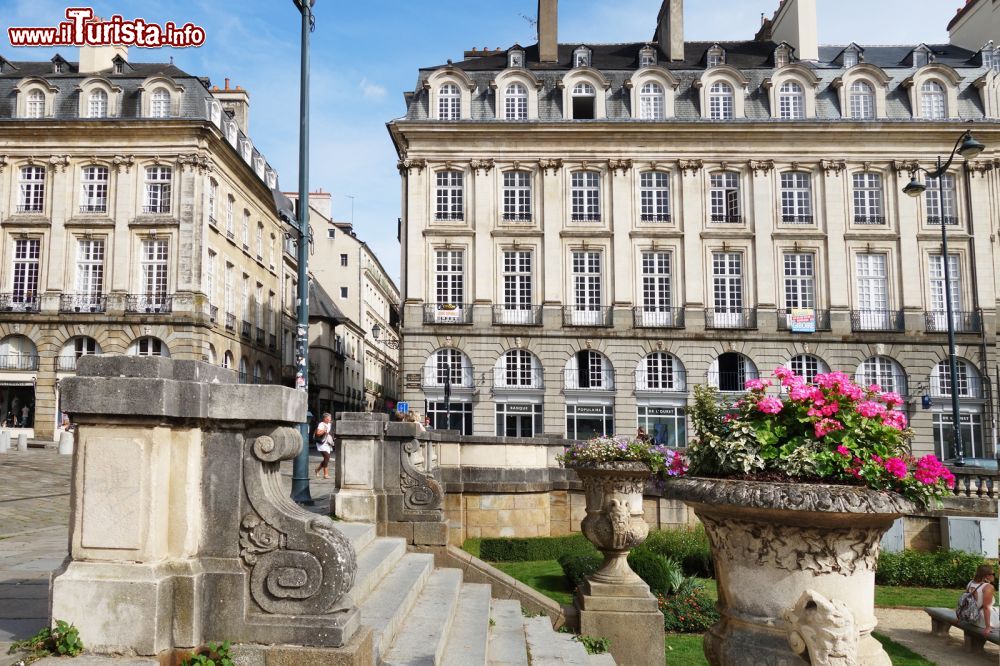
{"x": 967, "y": 147}
{"x": 300, "y": 468}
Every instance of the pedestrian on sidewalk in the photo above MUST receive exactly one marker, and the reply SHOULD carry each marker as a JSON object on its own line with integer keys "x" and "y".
{"x": 323, "y": 437}
{"x": 982, "y": 591}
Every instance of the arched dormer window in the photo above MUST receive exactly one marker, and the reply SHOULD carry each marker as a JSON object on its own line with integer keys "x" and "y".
{"x": 647, "y": 56}
{"x": 583, "y": 101}
{"x": 715, "y": 56}
{"x": 651, "y": 101}
{"x": 450, "y": 94}
{"x": 97, "y": 104}
{"x": 933, "y": 105}
{"x": 721, "y": 101}
{"x": 851, "y": 56}
{"x": 921, "y": 56}
{"x": 516, "y": 92}
{"x": 36, "y": 104}
{"x": 35, "y": 98}
{"x": 160, "y": 97}
{"x": 99, "y": 98}
{"x": 792, "y": 92}
{"x": 582, "y": 57}
{"x": 231, "y": 134}
{"x": 934, "y": 92}
{"x": 791, "y": 101}
{"x": 215, "y": 113}
{"x": 515, "y": 57}
{"x": 782, "y": 56}
{"x": 584, "y": 94}
{"x": 862, "y": 92}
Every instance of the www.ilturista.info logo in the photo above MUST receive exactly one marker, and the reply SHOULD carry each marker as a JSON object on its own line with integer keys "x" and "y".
{"x": 82, "y": 29}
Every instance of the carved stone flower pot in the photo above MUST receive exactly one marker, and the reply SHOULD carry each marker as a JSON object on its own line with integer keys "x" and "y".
{"x": 795, "y": 565}
{"x": 614, "y": 521}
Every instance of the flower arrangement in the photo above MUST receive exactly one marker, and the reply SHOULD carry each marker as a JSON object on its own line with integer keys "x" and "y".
{"x": 831, "y": 430}
{"x": 663, "y": 462}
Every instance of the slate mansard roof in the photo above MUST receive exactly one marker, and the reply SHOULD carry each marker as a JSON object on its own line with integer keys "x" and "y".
{"x": 755, "y": 59}
{"x": 196, "y": 101}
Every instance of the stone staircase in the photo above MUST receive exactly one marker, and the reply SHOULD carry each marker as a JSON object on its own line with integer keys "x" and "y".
{"x": 422, "y": 615}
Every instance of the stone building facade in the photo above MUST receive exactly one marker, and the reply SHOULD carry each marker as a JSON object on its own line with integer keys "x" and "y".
{"x": 136, "y": 217}
{"x": 590, "y": 230}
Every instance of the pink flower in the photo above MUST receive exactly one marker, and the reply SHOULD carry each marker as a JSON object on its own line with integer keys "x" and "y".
{"x": 894, "y": 419}
{"x": 875, "y": 388}
{"x": 801, "y": 393}
{"x": 786, "y": 376}
{"x": 770, "y": 405}
{"x": 754, "y": 385}
{"x": 844, "y": 451}
{"x": 877, "y": 459}
{"x": 870, "y": 409}
{"x": 892, "y": 399}
{"x": 830, "y": 409}
{"x": 896, "y": 467}
{"x": 826, "y": 426}
{"x": 852, "y": 391}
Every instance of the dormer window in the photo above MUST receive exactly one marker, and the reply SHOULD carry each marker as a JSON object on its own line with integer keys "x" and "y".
{"x": 716, "y": 56}
{"x": 647, "y": 57}
{"x": 584, "y": 96}
{"x": 987, "y": 55}
{"x": 515, "y": 58}
{"x": 119, "y": 65}
{"x": 58, "y": 65}
{"x": 581, "y": 57}
{"x": 782, "y": 56}
{"x": 850, "y": 59}
{"x": 921, "y": 56}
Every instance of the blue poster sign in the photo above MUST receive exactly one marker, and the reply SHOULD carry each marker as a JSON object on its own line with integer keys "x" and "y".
{"x": 402, "y": 407}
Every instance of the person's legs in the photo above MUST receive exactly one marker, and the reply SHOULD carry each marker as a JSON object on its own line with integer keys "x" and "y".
{"x": 326, "y": 464}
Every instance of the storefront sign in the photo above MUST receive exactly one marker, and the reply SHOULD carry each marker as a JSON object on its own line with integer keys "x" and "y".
{"x": 519, "y": 409}
{"x": 590, "y": 411}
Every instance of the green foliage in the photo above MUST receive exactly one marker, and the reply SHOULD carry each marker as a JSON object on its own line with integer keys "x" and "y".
{"x": 687, "y": 546}
{"x": 940, "y": 569}
{"x": 662, "y": 461}
{"x": 215, "y": 654}
{"x": 546, "y": 576}
{"x": 685, "y": 649}
{"x": 900, "y": 654}
{"x": 62, "y": 641}
{"x": 692, "y": 612}
{"x": 576, "y": 567}
{"x": 594, "y": 644}
{"x": 660, "y": 573}
{"x": 533, "y": 549}
{"x": 719, "y": 449}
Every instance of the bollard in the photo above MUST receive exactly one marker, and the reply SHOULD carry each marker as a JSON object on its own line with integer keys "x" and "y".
{"x": 4, "y": 441}
{"x": 22, "y": 442}
{"x": 65, "y": 443}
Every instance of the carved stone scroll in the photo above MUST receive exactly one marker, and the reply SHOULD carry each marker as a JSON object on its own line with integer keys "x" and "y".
{"x": 421, "y": 492}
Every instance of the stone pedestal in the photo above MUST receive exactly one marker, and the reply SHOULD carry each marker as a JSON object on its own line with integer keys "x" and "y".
{"x": 22, "y": 442}
{"x": 181, "y": 531}
{"x": 625, "y": 614}
{"x": 4, "y": 441}
{"x": 65, "y": 443}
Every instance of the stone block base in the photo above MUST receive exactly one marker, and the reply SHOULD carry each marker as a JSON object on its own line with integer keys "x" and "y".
{"x": 738, "y": 644}
{"x": 636, "y": 635}
{"x": 356, "y": 506}
{"x": 419, "y": 534}
{"x": 359, "y": 651}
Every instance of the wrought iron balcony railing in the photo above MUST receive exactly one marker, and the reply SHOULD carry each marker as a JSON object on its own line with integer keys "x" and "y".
{"x": 734, "y": 318}
{"x": 157, "y": 209}
{"x": 272, "y": 342}
{"x": 18, "y": 303}
{"x": 663, "y": 381}
{"x": 890, "y": 321}
{"x": 437, "y": 377}
{"x": 964, "y": 322}
{"x": 83, "y": 303}
{"x": 578, "y": 380}
{"x": 448, "y": 313}
{"x": 260, "y": 336}
{"x": 230, "y": 321}
{"x": 519, "y": 379}
{"x": 517, "y": 315}
{"x": 246, "y": 329}
{"x": 517, "y": 217}
{"x": 587, "y": 315}
{"x": 213, "y": 314}
{"x": 787, "y": 318}
{"x": 19, "y": 362}
{"x": 726, "y": 219}
{"x": 796, "y": 219}
{"x": 654, "y": 217}
{"x": 91, "y": 209}
{"x": 869, "y": 219}
{"x": 149, "y": 303}
{"x": 654, "y": 316}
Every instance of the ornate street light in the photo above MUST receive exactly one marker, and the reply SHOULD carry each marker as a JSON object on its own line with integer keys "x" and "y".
{"x": 967, "y": 147}
{"x": 388, "y": 342}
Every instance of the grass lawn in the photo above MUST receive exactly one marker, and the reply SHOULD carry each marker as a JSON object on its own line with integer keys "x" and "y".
{"x": 899, "y": 654}
{"x": 917, "y": 597}
{"x": 685, "y": 650}
{"x": 546, "y": 576}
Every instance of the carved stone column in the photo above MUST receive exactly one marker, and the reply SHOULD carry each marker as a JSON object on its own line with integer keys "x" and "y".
{"x": 181, "y": 530}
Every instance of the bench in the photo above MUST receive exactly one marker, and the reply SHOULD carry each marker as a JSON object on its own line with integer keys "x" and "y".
{"x": 943, "y": 619}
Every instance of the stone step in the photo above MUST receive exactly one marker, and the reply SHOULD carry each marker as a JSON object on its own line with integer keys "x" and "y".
{"x": 422, "y": 638}
{"x": 547, "y": 647}
{"x": 359, "y": 534}
{"x": 507, "y": 646}
{"x": 390, "y": 602}
{"x": 470, "y": 630}
{"x": 602, "y": 659}
{"x": 374, "y": 562}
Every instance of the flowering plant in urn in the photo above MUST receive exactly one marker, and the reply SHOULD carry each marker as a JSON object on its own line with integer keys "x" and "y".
{"x": 614, "y": 471}
{"x": 830, "y": 430}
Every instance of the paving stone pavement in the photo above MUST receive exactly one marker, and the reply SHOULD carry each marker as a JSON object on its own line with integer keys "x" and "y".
{"x": 912, "y": 628}
{"x": 34, "y": 534}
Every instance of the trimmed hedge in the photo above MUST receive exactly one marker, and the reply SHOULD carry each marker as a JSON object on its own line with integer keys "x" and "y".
{"x": 911, "y": 568}
{"x": 533, "y": 549}
{"x": 687, "y": 546}
{"x": 576, "y": 567}
{"x": 663, "y": 575}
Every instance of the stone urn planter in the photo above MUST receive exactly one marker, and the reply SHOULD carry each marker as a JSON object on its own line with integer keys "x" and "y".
{"x": 795, "y": 565}
{"x": 614, "y": 522}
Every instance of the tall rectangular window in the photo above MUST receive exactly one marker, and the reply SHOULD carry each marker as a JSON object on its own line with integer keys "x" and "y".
{"x": 90, "y": 269}
{"x": 868, "y": 199}
{"x": 450, "y": 205}
{"x": 724, "y": 197}
{"x": 260, "y": 242}
{"x": 25, "y": 276}
{"x": 210, "y": 276}
{"x": 873, "y": 292}
{"x": 450, "y": 277}
{"x": 796, "y": 198}
{"x": 94, "y": 190}
{"x": 229, "y": 294}
{"x": 213, "y": 201}
{"x": 945, "y": 187}
{"x": 517, "y": 196}
{"x": 246, "y": 299}
{"x": 800, "y": 281}
{"x": 585, "y": 194}
{"x": 153, "y": 265}
{"x": 272, "y": 315}
{"x": 230, "y": 202}
{"x": 939, "y": 308}
{"x": 31, "y": 182}
{"x": 657, "y": 297}
{"x": 587, "y": 288}
{"x": 158, "y": 179}
{"x": 727, "y": 281}
{"x": 258, "y": 306}
{"x": 654, "y": 196}
{"x": 517, "y": 287}
{"x": 246, "y": 230}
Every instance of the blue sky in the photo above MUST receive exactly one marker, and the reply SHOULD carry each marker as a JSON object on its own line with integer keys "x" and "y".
{"x": 366, "y": 54}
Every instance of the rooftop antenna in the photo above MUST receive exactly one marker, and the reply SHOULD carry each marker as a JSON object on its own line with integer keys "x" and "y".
{"x": 351, "y": 197}
{"x": 532, "y": 21}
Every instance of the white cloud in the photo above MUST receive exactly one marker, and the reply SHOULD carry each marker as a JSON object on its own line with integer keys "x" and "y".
{"x": 372, "y": 90}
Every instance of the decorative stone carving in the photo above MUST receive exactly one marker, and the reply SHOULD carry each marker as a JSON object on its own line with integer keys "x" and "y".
{"x": 299, "y": 564}
{"x": 619, "y": 165}
{"x": 406, "y": 165}
{"x": 823, "y": 631}
{"x": 773, "y": 543}
{"x": 3, "y": 162}
{"x": 690, "y": 166}
{"x": 194, "y": 162}
{"x": 482, "y": 165}
{"x": 421, "y": 491}
{"x": 123, "y": 162}
{"x": 59, "y": 162}
{"x": 976, "y": 167}
{"x": 904, "y": 166}
{"x": 761, "y": 166}
{"x": 550, "y": 166}
{"x": 614, "y": 521}
{"x": 833, "y": 167}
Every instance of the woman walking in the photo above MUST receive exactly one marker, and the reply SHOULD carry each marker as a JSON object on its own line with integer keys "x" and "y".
{"x": 324, "y": 443}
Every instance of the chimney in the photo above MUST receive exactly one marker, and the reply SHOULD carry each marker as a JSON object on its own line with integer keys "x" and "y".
{"x": 235, "y": 102}
{"x": 548, "y": 31}
{"x": 795, "y": 23}
{"x": 95, "y": 59}
{"x": 670, "y": 29}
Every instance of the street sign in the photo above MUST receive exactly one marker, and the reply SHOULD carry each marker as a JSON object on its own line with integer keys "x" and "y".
{"x": 402, "y": 407}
